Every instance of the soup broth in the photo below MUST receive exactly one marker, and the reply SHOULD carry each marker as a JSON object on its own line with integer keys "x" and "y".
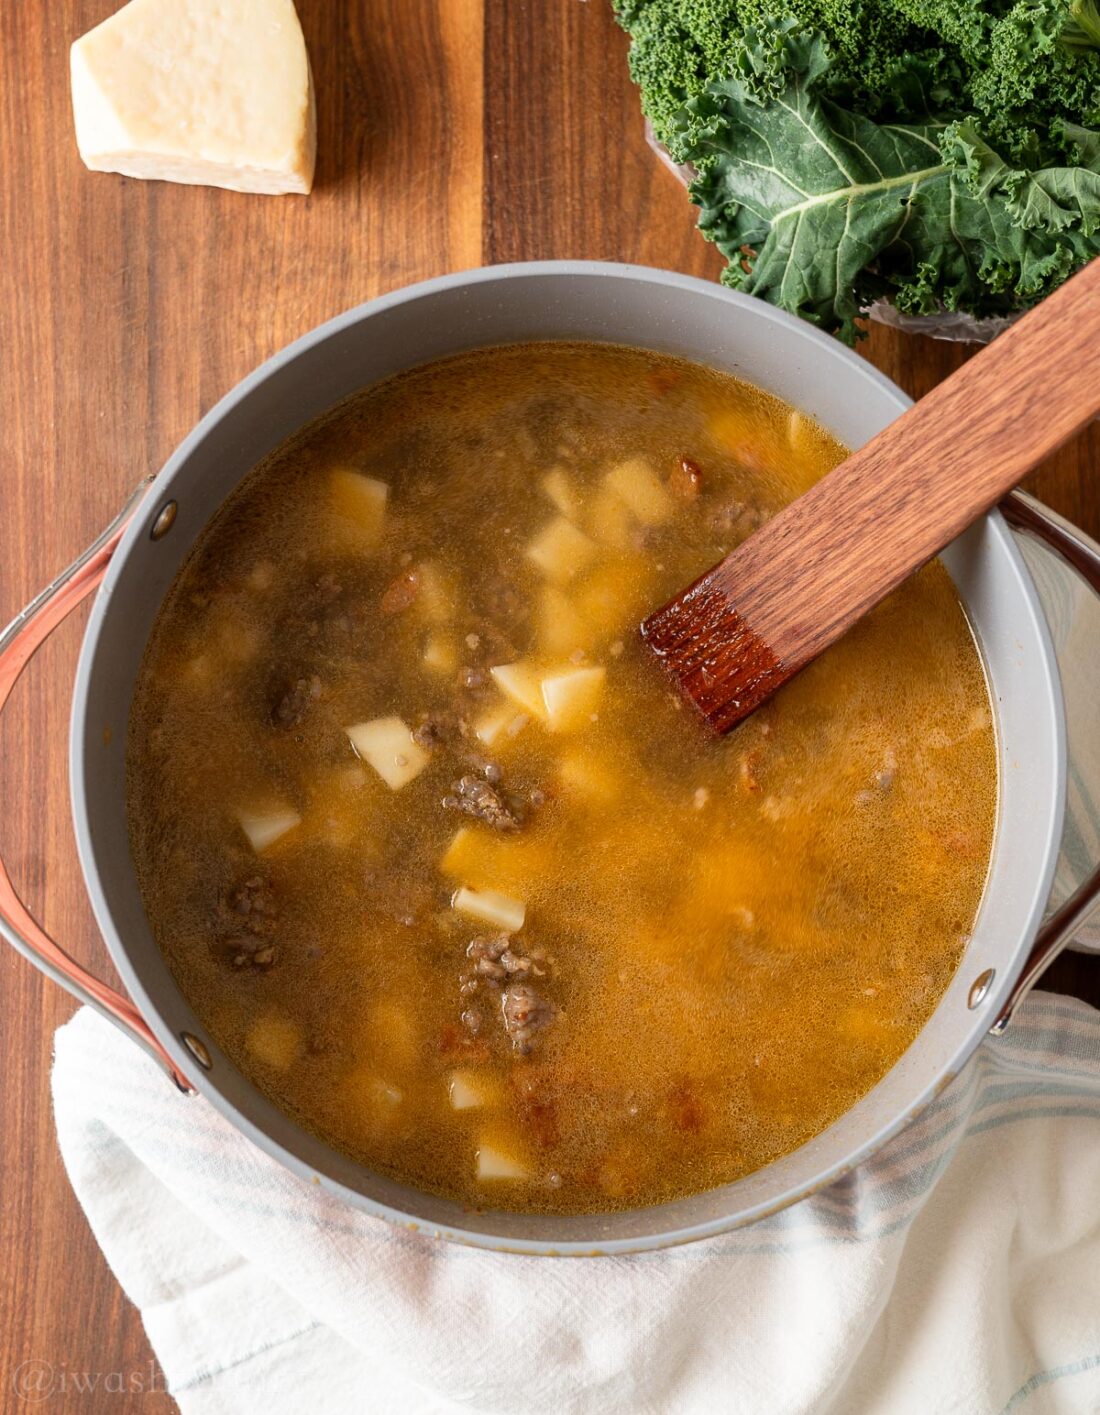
{"x": 446, "y": 867}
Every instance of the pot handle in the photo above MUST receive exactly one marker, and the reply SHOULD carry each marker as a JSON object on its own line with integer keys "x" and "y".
{"x": 18, "y": 643}
{"x": 1024, "y": 513}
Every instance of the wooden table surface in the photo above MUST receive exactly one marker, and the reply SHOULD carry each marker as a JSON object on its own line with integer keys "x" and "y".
{"x": 452, "y": 133}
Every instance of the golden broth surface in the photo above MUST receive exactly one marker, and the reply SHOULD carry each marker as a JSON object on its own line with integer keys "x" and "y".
{"x": 725, "y": 944}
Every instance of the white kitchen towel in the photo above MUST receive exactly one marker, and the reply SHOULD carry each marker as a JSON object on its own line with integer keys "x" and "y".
{"x": 959, "y": 1271}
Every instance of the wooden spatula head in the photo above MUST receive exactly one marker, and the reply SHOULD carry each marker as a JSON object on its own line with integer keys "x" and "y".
{"x": 721, "y": 666}
{"x": 792, "y": 589}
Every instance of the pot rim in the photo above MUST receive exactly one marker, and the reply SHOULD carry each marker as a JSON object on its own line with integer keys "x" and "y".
{"x": 139, "y": 530}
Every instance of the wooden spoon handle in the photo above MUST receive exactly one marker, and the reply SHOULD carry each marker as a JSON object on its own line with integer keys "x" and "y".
{"x": 821, "y": 563}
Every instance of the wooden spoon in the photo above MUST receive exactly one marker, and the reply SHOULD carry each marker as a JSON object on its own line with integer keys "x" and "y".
{"x": 795, "y": 586}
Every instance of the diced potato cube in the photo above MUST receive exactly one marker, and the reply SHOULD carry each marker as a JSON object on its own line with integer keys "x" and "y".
{"x": 614, "y": 598}
{"x": 733, "y": 427}
{"x": 499, "y": 1161}
{"x": 483, "y": 859}
{"x": 560, "y": 628}
{"x": 560, "y": 550}
{"x": 637, "y": 485}
{"x": 491, "y": 908}
{"x": 438, "y": 593}
{"x": 609, "y": 520}
{"x": 493, "y": 726}
{"x": 235, "y": 636}
{"x": 387, "y": 745}
{"x": 521, "y": 682}
{"x": 439, "y": 655}
{"x": 588, "y": 775}
{"x": 388, "y": 1095}
{"x": 274, "y": 1041}
{"x": 454, "y": 860}
{"x": 376, "y": 1100}
{"x": 750, "y": 433}
{"x": 560, "y": 490}
{"x": 263, "y": 828}
{"x": 781, "y": 808}
{"x": 470, "y": 1090}
{"x": 800, "y": 432}
{"x": 813, "y": 449}
{"x": 359, "y": 500}
{"x": 572, "y": 697}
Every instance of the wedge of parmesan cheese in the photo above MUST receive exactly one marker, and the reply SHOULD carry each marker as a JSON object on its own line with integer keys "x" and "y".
{"x": 186, "y": 91}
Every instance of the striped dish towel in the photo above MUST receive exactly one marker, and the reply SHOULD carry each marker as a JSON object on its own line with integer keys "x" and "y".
{"x": 959, "y": 1271}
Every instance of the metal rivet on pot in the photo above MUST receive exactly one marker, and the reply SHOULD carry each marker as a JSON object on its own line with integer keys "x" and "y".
{"x": 197, "y": 1050}
{"x": 980, "y": 986}
{"x": 165, "y": 520}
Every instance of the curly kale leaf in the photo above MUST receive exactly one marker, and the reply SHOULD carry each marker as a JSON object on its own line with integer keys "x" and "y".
{"x": 1052, "y": 200}
{"x": 1013, "y": 65}
{"x": 819, "y": 209}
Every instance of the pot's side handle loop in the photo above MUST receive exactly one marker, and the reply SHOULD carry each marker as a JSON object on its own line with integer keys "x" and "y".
{"x": 1024, "y": 513}
{"x": 18, "y": 643}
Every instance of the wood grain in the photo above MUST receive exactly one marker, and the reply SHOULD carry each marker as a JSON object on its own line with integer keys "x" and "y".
{"x": 451, "y": 133}
{"x": 743, "y": 628}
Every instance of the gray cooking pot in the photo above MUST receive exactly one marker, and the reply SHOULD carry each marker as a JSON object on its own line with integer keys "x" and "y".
{"x": 137, "y": 558}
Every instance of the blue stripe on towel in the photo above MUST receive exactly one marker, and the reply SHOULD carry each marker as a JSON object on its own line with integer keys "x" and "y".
{"x": 1046, "y": 1378}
